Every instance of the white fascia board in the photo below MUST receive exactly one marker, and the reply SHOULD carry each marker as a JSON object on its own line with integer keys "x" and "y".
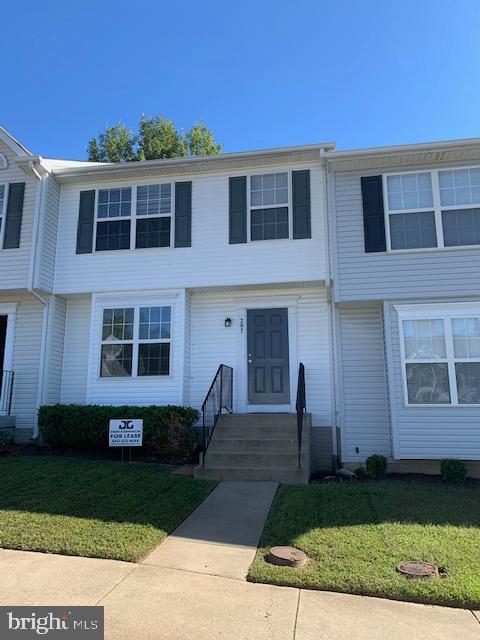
{"x": 220, "y": 162}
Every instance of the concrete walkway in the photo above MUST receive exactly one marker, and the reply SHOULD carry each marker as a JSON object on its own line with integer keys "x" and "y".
{"x": 220, "y": 538}
{"x": 193, "y": 587}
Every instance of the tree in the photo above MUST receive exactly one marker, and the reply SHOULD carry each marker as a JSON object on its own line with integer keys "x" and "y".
{"x": 157, "y": 138}
{"x": 115, "y": 144}
{"x": 201, "y": 142}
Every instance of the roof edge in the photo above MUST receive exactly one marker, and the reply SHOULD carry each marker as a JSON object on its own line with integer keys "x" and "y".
{"x": 106, "y": 169}
{"x": 14, "y": 144}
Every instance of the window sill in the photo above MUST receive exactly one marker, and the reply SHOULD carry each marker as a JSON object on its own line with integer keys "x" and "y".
{"x": 106, "y": 251}
{"x": 441, "y": 406}
{"x": 392, "y": 252}
{"x": 131, "y": 378}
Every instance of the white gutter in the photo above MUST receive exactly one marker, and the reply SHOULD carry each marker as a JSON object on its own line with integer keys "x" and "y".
{"x": 106, "y": 168}
{"x": 405, "y": 148}
{"x": 331, "y": 303}
{"x": 39, "y": 208}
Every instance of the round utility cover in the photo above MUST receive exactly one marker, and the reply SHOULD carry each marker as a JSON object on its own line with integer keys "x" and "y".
{"x": 416, "y": 569}
{"x": 287, "y": 557}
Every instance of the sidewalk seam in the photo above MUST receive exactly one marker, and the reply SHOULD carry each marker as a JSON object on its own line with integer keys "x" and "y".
{"x": 473, "y": 614}
{"x": 105, "y": 595}
{"x": 296, "y": 615}
{"x": 197, "y": 573}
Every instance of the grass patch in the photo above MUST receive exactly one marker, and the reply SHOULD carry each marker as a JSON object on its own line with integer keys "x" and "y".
{"x": 357, "y": 534}
{"x": 90, "y": 508}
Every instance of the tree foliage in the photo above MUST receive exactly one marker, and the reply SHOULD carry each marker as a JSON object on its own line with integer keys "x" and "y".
{"x": 157, "y": 138}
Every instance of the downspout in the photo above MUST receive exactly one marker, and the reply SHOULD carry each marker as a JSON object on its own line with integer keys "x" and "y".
{"x": 331, "y": 307}
{"x": 39, "y": 207}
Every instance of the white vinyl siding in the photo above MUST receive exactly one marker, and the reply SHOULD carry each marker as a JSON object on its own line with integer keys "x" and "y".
{"x": 15, "y": 263}
{"x": 75, "y": 354}
{"x": 55, "y": 344}
{"x": 187, "y": 349}
{"x": 210, "y": 261}
{"x": 429, "y": 432}
{"x": 48, "y": 236}
{"x": 365, "y": 416}
{"x": 376, "y": 276}
{"x": 26, "y": 359}
{"x": 214, "y": 344}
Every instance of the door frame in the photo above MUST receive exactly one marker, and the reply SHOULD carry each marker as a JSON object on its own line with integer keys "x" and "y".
{"x": 9, "y": 310}
{"x": 242, "y": 305}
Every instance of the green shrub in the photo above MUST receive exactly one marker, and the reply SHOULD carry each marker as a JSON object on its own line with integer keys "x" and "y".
{"x": 376, "y": 466}
{"x": 453, "y": 471}
{"x": 360, "y": 472}
{"x": 6, "y": 440}
{"x": 167, "y": 430}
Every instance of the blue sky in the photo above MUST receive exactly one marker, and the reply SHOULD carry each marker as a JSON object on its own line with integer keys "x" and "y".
{"x": 261, "y": 74}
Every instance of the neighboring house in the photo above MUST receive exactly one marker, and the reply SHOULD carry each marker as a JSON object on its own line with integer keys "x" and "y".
{"x": 406, "y": 268}
{"x": 29, "y": 350}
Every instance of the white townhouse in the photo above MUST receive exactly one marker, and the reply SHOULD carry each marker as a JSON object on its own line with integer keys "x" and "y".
{"x": 405, "y": 236}
{"x": 151, "y": 275}
{"x": 226, "y": 282}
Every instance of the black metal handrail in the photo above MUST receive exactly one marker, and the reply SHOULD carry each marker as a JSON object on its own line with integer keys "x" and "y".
{"x": 6, "y": 392}
{"x": 218, "y": 399}
{"x": 301, "y": 407}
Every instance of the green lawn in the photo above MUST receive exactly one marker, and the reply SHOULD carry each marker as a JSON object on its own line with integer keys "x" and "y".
{"x": 92, "y": 508}
{"x": 355, "y": 535}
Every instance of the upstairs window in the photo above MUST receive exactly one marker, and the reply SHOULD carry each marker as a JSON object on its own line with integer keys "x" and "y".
{"x": 154, "y": 215}
{"x": 439, "y": 208}
{"x": 411, "y": 218}
{"x": 268, "y": 220}
{"x": 441, "y": 356}
{"x": 114, "y": 205}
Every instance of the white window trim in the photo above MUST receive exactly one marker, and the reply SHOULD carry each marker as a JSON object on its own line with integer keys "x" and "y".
{"x": 437, "y": 209}
{"x": 288, "y": 204}
{"x": 444, "y": 312}
{"x": 150, "y": 216}
{"x": 133, "y": 217}
{"x": 135, "y": 305}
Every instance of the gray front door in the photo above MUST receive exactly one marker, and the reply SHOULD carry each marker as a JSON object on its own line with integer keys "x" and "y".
{"x": 267, "y": 343}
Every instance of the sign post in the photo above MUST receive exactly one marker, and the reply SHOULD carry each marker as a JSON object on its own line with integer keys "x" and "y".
{"x": 125, "y": 433}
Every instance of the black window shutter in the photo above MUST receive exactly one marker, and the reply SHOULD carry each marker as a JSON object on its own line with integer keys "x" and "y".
{"x": 86, "y": 216}
{"x": 373, "y": 214}
{"x": 302, "y": 226}
{"x": 183, "y": 214}
{"x": 237, "y": 190}
{"x": 13, "y": 222}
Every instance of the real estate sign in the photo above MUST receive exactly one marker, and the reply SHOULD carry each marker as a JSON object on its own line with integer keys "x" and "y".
{"x": 126, "y": 433}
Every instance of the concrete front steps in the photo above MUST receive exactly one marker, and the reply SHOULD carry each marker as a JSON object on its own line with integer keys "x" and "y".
{"x": 257, "y": 446}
